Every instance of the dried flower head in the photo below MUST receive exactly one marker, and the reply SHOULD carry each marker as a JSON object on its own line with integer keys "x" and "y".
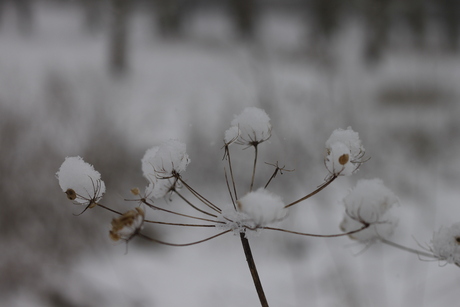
{"x": 369, "y": 203}
{"x": 344, "y": 152}
{"x": 162, "y": 164}
{"x": 254, "y": 126}
{"x": 262, "y": 208}
{"x": 446, "y": 244}
{"x": 80, "y": 182}
{"x": 126, "y": 226}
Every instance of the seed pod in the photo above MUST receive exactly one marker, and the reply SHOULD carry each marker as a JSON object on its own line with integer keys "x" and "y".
{"x": 343, "y": 159}
{"x": 71, "y": 194}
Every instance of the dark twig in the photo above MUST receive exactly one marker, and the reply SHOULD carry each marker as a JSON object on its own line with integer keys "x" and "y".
{"x": 319, "y": 189}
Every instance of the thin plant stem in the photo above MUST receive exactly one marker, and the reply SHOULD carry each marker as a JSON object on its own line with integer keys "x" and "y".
{"x": 253, "y": 269}
{"x": 183, "y": 244}
{"x": 272, "y": 176}
{"x": 277, "y": 170}
{"x": 319, "y": 236}
{"x": 109, "y": 209}
{"x": 408, "y": 249}
{"x": 200, "y": 197}
{"x": 193, "y": 206}
{"x": 229, "y": 189}
{"x": 231, "y": 173}
{"x": 177, "y": 213}
{"x": 178, "y": 224}
{"x": 254, "y": 168}
{"x": 319, "y": 189}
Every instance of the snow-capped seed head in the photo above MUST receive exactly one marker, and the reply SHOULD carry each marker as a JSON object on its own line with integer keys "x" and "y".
{"x": 231, "y": 135}
{"x": 80, "y": 181}
{"x": 254, "y": 125}
{"x": 160, "y": 164}
{"x": 344, "y": 152}
{"x": 165, "y": 160}
{"x": 369, "y": 203}
{"x": 127, "y": 225}
{"x": 446, "y": 244}
{"x": 262, "y": 207}
{"x": 160, "y": 188}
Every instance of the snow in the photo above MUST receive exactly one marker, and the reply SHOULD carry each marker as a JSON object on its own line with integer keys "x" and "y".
{"x": 262, "y": 207}
{"x": 370, "y": 202}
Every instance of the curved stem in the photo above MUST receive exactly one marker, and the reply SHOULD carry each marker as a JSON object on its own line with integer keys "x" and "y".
{"x": 178, "y": 224}
{"x": 253, "y": 269}
{"x": 319, "y": 236}
{"x": 177, "y": 213}
{"x": 319, "y": 189}
{"x": 408, "y": 249}
{"x": 200, "y": 197}
{"x": 193, "y": 206}
{"x": 184, "y": 244}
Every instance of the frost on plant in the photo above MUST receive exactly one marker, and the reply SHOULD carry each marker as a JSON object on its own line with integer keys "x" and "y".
{"x": 368, "y": 207}
{"x": 370, "y": 203}
{"x": 344, "y": 152}
{"x": 161, "y": 164}
{"x": 254, "y": 127}
{"x": 446, "y": 244}
{"x": 262, "y": 208}
{"x": 80, "y": 182}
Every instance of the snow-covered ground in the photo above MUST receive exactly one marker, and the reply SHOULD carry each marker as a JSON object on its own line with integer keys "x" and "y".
{"x": 406, "y": 110}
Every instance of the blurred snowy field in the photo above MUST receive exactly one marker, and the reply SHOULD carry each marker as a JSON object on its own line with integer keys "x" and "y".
{"x": 406, "y": 110}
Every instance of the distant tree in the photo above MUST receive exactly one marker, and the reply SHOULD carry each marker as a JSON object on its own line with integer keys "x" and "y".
{"x": 323, "y": 20}
{"x": 92, "y": 10}
{"x": 118, "y": 49}
{"x": 244, "y": 14}
{"x": 450, "y": 19}
{"x": 168, "y": 16}
{"x": 377, "y": 26}
{"x": 415, "y": 14}
{"x": 24, "y": 13}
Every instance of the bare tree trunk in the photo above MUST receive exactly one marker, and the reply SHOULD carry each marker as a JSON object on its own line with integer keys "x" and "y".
{"x": 118, "y": 49}
{"x": 92, "y": 10}
{"x": 168, "y": 17}
{"x": 377, "y": 23}
{"x": 244, "y": 12}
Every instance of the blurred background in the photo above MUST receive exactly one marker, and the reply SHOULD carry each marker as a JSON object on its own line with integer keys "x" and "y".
{"x": 108, "y": 79}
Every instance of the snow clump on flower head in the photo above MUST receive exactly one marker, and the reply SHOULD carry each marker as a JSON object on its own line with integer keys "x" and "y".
{"x": 446, "y": 244}
{"x": 165, "y": 160}
{"x": 344, "y": 152}
{"x": 254, "y": 126}
{"x": 262, "y": 208}
{"x": 369, "y": 203}
{"x": 161, "y": 164}
{"x": 80, "y": 181}
{"x": 231, "y": 135}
